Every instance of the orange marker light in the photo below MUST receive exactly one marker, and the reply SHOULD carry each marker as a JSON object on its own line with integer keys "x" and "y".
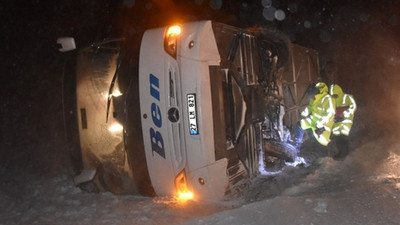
{"x": 183, "y": 192}
{"x": 171, "y": 39}
{"x": 174, "y": 30}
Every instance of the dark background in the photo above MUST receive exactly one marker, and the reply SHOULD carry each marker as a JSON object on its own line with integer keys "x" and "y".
{"x": 360, "y": 37}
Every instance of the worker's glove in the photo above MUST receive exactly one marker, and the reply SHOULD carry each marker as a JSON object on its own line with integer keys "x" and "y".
{"x": 319, "y": 131}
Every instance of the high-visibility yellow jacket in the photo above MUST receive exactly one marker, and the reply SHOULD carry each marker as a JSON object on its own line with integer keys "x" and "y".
{"x": 319, "y": 115}
{"x": 345, "y": 109}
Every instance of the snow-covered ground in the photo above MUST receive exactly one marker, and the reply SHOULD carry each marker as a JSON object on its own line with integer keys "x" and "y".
{"x": 55, "y": 200}
{"x": 364, "y": 188}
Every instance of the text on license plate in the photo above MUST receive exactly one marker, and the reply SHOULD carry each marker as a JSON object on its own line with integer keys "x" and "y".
{"x": 191, "y": 101}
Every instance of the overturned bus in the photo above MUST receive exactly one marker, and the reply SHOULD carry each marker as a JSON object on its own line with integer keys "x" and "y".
{"x": 196, "y": 113}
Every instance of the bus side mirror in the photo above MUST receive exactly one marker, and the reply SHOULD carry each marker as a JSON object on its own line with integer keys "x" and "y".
{"x": 66, "y": 44}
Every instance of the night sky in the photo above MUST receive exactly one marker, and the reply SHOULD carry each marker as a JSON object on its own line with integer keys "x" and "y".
{"x": 362, "y": 37}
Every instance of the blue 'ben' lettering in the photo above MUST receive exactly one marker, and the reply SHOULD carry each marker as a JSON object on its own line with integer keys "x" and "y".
{"x": 156, "y": 115}
{"x": 157, "y": 141}
{"x": 154, "y": 86}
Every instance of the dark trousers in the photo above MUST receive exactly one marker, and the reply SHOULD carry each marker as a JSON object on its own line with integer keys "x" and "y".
{"x": 298, "y": 134}
{"x": 342, "y": 146}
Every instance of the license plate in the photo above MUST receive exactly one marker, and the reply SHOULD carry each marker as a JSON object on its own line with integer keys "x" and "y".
{"x": 191, "y": 101}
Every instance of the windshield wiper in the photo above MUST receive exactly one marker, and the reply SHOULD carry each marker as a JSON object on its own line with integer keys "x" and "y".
{"x": 111, "y": 89}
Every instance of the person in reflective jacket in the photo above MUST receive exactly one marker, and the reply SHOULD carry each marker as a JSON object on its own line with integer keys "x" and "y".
{"x": 317, "y": 116}
{"x": 345, "y": 109}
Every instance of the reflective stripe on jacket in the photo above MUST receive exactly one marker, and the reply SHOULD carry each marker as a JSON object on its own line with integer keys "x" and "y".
{"x": 345, "y": 109}
{"x": 319, "y": 115}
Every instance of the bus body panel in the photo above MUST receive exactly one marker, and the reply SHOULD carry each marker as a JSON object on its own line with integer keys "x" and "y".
{"x": 168, "y": 84}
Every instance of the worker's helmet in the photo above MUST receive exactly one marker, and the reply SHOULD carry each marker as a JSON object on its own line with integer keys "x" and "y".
{"x": 322, "y": 87}
{"x": 335, "y": 90}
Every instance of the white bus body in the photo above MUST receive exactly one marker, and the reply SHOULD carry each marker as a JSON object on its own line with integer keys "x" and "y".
{"x": 193, "y": 113}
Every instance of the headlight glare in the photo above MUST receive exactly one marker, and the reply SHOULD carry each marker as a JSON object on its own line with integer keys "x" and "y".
{"x": 171, "y": 39}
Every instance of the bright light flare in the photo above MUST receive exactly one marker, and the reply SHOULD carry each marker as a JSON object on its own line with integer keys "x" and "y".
{"x": 174, "y": 30}
{"x": 116, "y": 93}
{"x": 183, "y": 192}
{"x": 116, "y": 127}
{"x": 185, "y": 196}
{"x": 171, "y": 39}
